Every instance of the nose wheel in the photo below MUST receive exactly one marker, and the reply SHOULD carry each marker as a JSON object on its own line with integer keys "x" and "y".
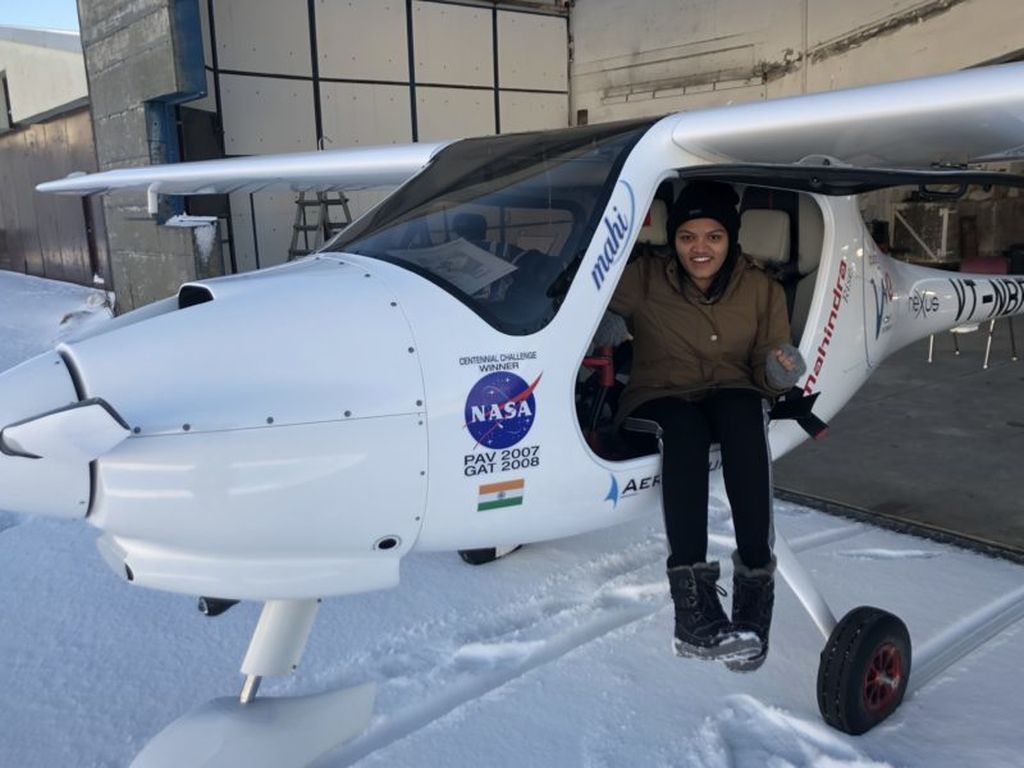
{"x": 864, "y": 670}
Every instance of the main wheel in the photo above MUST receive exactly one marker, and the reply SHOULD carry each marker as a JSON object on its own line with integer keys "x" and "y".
{"x": 864, "y": 670}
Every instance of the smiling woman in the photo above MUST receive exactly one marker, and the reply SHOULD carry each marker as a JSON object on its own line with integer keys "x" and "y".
{"x": 711, "y": 341}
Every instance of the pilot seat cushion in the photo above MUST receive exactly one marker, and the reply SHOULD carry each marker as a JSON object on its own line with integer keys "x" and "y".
{"x": 764, "y": 235}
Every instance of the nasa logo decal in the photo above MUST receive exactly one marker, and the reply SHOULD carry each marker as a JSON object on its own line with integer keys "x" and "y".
{"x": 500, "y": 409}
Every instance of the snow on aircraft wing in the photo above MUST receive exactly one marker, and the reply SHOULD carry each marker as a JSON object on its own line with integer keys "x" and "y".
{"x": 972, "y": 115}
{"x": 335, "y": 169}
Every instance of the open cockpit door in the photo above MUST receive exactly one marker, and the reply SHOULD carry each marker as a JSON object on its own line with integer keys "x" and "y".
{"x": 777, "y": 181}
{"x": 802, "y": 223}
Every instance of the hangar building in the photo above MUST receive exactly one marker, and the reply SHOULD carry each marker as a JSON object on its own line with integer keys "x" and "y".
{"x": 173, "y": 80}
{"x": 45, "y": 133}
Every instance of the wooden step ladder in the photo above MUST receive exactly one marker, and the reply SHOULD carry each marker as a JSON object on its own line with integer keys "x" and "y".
{"x": 315, "y": 221}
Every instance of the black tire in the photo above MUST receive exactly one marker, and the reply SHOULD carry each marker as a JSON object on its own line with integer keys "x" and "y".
{"x": 483, "y": 556}
{"x": 864, "y": 670}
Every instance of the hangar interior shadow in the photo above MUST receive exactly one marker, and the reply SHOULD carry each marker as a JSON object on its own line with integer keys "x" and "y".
{"x": 932, "y": 448}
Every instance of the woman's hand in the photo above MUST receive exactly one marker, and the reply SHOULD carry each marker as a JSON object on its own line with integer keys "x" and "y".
{"x": 787, "y": 361}
{"x": 785, "y": 366}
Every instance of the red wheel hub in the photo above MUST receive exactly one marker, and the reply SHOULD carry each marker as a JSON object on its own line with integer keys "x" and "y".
{"x": 883, "y": 677}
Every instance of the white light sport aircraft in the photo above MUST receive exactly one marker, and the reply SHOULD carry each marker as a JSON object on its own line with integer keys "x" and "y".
{"x": 422, "y": 382}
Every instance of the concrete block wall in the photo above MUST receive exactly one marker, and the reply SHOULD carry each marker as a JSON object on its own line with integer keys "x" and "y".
{"x": 132, "y": 51}
{"x": 275, "y": 91}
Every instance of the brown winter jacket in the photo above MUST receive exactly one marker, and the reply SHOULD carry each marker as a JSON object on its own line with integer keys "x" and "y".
{"x": 683, "y": 345}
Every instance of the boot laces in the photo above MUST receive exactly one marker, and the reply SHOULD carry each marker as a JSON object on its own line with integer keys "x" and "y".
{"x": 702, "y": 594}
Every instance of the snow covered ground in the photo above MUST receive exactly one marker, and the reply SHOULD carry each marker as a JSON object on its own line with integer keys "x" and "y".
{"x": 558, "y": 655}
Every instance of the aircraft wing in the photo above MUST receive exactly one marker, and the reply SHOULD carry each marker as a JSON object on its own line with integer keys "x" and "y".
{"x": 335, "y": 169}
{"x": 949, "y": 119}
{"x": 972, "y": 115}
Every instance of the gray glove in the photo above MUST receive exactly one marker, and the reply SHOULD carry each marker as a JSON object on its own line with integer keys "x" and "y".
{"x": 779, "y": 377}
{"x": 611, "y": 331}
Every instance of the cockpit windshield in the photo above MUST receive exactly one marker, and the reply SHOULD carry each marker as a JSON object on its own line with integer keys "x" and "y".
{"x": 501, "y": 222}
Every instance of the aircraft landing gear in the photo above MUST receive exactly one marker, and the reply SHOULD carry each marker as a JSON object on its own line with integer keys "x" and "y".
{"x": 266, "y": 731}
{"x": 865, "y": 665}
{"x": 864, "y": 670}
{"x": 277, "y": 643}
{"x": 486, "y": 555}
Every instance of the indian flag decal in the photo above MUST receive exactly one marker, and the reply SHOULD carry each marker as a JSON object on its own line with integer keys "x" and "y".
{"x": 499, "y": 495}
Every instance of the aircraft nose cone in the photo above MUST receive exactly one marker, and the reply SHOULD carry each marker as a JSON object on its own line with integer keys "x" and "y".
{"x": 56, "y": 487}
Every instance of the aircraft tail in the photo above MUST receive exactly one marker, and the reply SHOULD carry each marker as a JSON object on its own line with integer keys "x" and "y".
{"x": 919, "y": 301}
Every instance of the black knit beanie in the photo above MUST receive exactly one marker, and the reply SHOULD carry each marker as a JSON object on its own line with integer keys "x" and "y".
{"x": 706, "y": 200}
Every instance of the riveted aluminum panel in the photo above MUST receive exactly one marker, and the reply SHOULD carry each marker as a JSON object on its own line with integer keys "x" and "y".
{"x": 533, "y": 111}
{"x": 365, "y": 114}
{"x": 533, "y": 51}
{"x": 265, "y": 114}
{"x": 263, "y": 36}
{"x": 362, "y": 39}
{"x": 454, "y": 44}
{"x": 444, "y": 112}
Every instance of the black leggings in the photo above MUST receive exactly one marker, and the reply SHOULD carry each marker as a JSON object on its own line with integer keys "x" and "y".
{"x": 735, "y": 419}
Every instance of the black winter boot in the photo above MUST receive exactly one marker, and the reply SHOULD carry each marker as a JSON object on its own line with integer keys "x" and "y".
{"x": 702, "y": 629}
{"x": 753, "y": 598}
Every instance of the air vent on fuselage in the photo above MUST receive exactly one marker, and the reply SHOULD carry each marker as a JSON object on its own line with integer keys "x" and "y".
{"x": 190, "y": 295}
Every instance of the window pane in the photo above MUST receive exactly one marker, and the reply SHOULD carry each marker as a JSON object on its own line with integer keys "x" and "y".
{"x": 501, "y": 222}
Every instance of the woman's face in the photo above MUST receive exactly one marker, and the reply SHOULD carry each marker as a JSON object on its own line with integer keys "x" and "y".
{"x": 701, "y": 247}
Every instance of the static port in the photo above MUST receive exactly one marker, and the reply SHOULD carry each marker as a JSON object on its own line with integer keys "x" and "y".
{"x": 388, "y": 542}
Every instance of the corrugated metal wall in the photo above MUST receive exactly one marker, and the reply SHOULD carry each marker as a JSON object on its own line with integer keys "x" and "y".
{"x": 49, "y": 235}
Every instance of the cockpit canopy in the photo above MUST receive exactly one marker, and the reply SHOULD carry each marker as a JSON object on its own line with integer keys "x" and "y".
{"x": 501, "y": 222}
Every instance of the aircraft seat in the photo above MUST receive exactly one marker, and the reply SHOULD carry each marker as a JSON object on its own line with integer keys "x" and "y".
{"x": 806, "y": 225}
{"x": 653, "y": 230}
{"x": 764, "y": 236}
{"x": 470, "y": 226}
{"x": 474, "y": 228}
